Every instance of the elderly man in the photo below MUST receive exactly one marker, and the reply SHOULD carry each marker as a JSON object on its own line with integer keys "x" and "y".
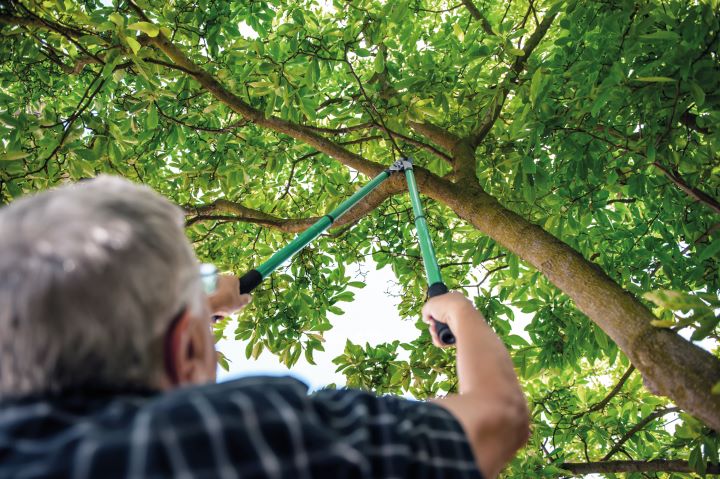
{"x": 107, "y": 363}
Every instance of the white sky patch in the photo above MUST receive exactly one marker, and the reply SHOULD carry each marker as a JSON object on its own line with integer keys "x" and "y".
{"x": 247, "y": 31}
{"x": 371, "y": 318}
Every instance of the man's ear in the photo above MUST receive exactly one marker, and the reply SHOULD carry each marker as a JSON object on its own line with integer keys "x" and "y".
{"x": 185, "y": 350}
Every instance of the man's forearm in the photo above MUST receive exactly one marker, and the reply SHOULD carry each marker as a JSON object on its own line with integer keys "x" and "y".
{"x": 491, "y": 406}
{"x": 484, "y": 366}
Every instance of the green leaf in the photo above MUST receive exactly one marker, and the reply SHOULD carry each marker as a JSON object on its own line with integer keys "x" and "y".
{"x": 661, "y": 35}
{"x": 710, "y": 251}
{"x": 708, "y": 323}
{"x": 696, "y": 461}
{"x": 146, "y": 27}
{"x": 14, "y": 155}
{"x": 379, "y": 64}
{"x": 309, "y": 357}
{"x": 674, "y": 300}
{"x": 458, "y": 31}
{"x": 655, "y": 79}
{"x": 514, "y": 266}
{"x": 651, "y": 152}
{"x": 344, "y": 296}
{"x": 117, "y": 19}
{"x": 697, "y": 93}
{"x": 223, "y": 361}
{"x": 133, "y": 44}
{"x": 662, "y": 323}
{"x": 152, "y": 118}
{"x": 307, "y": 105}
{"x": 536, "y": 85}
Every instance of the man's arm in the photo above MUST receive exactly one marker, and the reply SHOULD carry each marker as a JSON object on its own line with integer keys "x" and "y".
{"x": 491, "y": 406}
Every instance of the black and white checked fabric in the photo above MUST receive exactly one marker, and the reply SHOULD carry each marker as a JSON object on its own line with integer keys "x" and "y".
{"x": 250, "y": 428}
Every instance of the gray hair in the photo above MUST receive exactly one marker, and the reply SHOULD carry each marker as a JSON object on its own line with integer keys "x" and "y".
{"x": 91, "y": 276}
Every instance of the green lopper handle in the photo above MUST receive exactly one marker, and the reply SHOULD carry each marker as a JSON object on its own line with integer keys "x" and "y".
{"x": 432, "y": 270}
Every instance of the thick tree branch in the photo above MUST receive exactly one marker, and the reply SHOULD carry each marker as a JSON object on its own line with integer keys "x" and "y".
{"x": 670, "y": 365}
{"x": 637, "y": 427}
{"x": 436, "y": 134}
{"x": 36, "y": 22}
{"x": 658, "y": 465}
{"x": 229, "y": 211}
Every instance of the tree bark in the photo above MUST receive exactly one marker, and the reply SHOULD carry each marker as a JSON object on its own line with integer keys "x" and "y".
{"x": 658, "y": 465}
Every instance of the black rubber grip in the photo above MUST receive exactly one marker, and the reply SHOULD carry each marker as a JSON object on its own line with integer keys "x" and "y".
{"x": 250, "y": 281}
{"x": 443, "y": 330}
{"x": 437, "y": 289}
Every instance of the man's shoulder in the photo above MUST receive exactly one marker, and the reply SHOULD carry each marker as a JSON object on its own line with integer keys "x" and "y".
{"x": 258, "y": 391}
{"x": 252, "y": 385}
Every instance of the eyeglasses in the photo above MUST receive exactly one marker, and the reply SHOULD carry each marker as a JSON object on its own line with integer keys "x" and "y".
{"x": 209, "y": 277}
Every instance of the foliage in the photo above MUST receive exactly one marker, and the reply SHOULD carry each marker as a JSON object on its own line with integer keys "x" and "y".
{"x": 608, "y": 139}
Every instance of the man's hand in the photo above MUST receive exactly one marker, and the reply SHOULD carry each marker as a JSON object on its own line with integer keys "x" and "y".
{"x": 227, "y": 299}
{"x": 449, "y": 308}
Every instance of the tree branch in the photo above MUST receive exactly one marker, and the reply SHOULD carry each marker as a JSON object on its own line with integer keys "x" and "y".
{"x": 429, "y": 148}
{"x": 695, "y": 193}
{"x": 224, "y": 210}
{"x": 644, "y": 422}
{"x": 674, "y": 177}
{"x": 477, "y": 136}
{"x": 658, "y": 465}
{"x": 475, "y": 13}
{"x": 36, "y": 22}
{"x": 341, "y": 130}
{"x": 225, "y": 129}
{"x": 615, "y": 390}
{"x": 235, "y": 103}
{"x": 372, "y": 125}
{"x": 436, "y": 134}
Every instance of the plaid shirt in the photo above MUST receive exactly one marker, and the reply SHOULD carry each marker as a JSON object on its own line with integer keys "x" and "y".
{"x": 250, "y": 428}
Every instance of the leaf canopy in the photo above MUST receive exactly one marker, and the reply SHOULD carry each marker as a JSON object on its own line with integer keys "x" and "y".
{"x": 602, "y": 129}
